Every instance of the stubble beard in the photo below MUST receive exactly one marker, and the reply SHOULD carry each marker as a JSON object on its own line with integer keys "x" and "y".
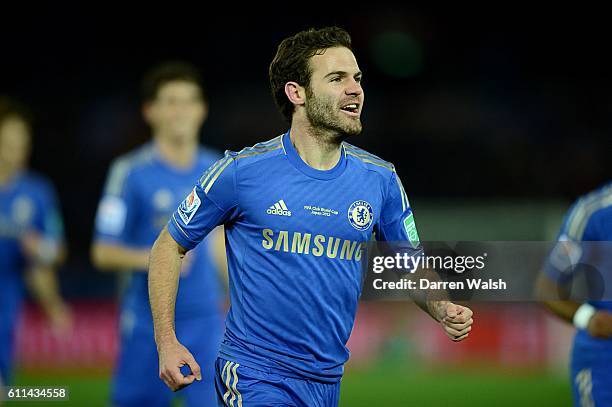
{"x": 326, "y": 121}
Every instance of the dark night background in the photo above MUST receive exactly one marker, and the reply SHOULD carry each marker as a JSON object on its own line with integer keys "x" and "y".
{"x": 468, "y": 104}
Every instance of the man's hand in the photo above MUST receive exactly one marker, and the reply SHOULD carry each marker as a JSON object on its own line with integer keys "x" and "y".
{"x": 455, "y": 319}
{"x": 600, "y": 325}
{"x": 172, "y": 356}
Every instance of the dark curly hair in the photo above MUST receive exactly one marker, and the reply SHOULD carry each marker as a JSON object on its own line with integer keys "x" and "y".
{"x": 291, "y": 62}
{"x": 10, "y": 108}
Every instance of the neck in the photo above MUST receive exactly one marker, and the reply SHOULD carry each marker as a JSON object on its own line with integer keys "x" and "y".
{"x": 178, "y": 154}
{"x": 6, "y": 173}
{"x": 318, "y": 148}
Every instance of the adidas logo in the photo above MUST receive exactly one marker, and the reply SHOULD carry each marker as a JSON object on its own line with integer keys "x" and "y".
{"x": 279, "y": 208}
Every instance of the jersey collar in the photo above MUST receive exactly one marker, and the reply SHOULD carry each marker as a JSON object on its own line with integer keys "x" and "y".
{"x": 295, "y": 159}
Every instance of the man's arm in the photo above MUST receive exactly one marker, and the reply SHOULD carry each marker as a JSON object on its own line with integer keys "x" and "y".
{"x": 115, "y": 257}
{"x": 598, "y": 323}
{"x": 108, "y": 256}
{"x": 164, "y": 270}
{"x": 211, "y": 203}
{"x": 42, "y": 283}
{"x": 397, "y": 224}
{"x": 44, "y": 250}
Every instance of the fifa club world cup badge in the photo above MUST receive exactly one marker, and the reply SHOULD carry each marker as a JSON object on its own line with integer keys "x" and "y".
{"x": 189, "y": 207}
{"x": 360, "y": 215}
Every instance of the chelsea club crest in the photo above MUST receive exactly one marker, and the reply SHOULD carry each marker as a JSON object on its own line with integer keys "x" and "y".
{"x": 360, "y": 215}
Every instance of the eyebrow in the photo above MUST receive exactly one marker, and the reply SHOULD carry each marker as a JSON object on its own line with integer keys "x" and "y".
{"x": 342, "y": 73}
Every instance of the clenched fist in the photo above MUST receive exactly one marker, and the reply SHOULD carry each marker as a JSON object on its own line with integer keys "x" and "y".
{"x": 172, "y": 356}
{"x": 456, "y": 320}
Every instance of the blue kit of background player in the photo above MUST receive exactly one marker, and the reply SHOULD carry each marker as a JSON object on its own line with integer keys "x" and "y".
{"x": 27, "y": 203}
{"x": 31, "y": 235}
{"x": 589, "y": 220}
{"x": 142, "y": 189}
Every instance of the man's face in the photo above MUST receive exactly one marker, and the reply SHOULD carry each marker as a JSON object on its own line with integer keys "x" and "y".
{"x": 177, "y": 112}
{"x": 334, "y": 98}
{"x": 14, "y": 143}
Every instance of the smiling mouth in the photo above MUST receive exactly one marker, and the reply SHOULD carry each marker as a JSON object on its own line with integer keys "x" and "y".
{"x": 352, "y": 109}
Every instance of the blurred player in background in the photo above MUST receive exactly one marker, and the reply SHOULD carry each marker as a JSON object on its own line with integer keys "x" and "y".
{"x": 589, "y": 219}
{"x": 296, "y": 209}
{"x": 142, "y": 189}
{"x": 31, "y": 235}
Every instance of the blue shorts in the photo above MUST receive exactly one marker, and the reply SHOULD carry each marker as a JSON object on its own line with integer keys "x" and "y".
{"x": 591, "y": 371}
{"x": 136, "y": 379}
{"x": 239, "y": 386}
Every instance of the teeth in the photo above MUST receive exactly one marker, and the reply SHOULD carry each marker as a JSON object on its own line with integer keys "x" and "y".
{"x": 352, "y": 106}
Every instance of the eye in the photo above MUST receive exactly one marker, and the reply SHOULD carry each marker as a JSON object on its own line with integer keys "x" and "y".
{"x": 336, "y": 79}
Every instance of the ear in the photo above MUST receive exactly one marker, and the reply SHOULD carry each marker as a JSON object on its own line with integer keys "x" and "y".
{"x": 146, "y": 110}
{"x": 295, "y": 93}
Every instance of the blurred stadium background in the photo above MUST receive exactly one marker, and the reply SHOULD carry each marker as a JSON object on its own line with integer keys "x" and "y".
{"x": 495, "y": 124}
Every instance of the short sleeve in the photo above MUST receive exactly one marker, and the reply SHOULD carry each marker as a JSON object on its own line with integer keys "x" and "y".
{"x": 579, "y": 225}
{"x": 114, "y": 218}
{"x": 397, "y": 222}
{"x": 212, "y": 202}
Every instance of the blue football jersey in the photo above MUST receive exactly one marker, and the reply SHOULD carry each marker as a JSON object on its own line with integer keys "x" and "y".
{"x": 27, "y": 204}
{"x": 141, "y": 192}
{"x": 589, "y": 219}
{"x": 293, "y": 236}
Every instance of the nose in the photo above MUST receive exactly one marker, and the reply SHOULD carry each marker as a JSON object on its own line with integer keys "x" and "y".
{"x": 354, "y": 88}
